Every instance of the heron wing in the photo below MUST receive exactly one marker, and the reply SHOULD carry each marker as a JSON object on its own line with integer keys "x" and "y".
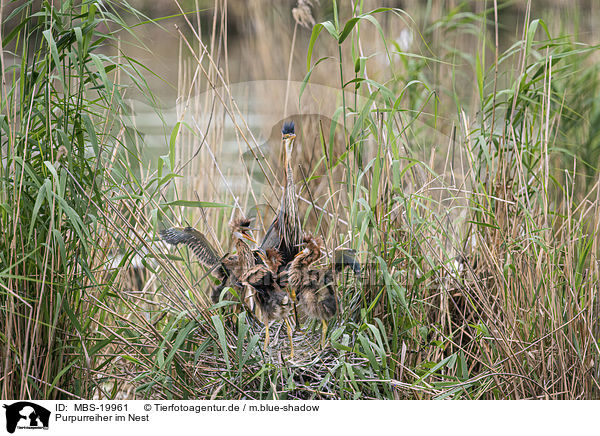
{"x": 276, "y": 238}
{"x": 346, "y": 258}
{"x": 195, "y": 240}
{"x": 272, "y": 238}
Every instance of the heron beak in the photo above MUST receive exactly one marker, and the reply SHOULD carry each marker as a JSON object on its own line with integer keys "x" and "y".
{"x": 305, "y": 251}
{"x": 249, "y": 238}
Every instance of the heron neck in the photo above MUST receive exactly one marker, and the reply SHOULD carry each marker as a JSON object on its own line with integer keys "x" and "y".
{"x": 290, "y": 188}
{"x": 245, "y": 254}
{"x": 288, "y": 170}
{"x": 299, "y": 263}
{"x": 289, "y": 197}
{"x": 273, "y": 266}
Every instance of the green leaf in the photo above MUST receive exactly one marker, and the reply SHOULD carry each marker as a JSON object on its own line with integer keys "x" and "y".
{"x": 181, "y": 336}
{"x": 307, "y": 77}
{"x": 38, "y": 203}
{"x": 218, "y": 323}
{"x": 327, "y": 25}
{"x": 479, "y": 71}
{"x": 108, "y": 86}
{"x": 352, "y": 22}
{"x": 172, "y": 142}
{"x": 192, "y": 203}
{"x": 54, "y": 53}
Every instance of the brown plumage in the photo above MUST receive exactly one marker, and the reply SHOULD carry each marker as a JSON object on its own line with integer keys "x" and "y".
{"x": 223, "y": 269}
{"x": 273, "y": 260}
{"x": 240, "y": 230}
{"x": 271, "y": 302}
{"x": 197, "y": 242}
{"x": 285, "y": 232}
{"x": 315, "y": 288}
{"x": 228, "y": 268}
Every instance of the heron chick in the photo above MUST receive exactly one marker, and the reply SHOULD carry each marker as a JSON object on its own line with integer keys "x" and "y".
{"x": 315, "y": 288}
{"x": 226, "y": 269}
{"x": 272, "y": 303}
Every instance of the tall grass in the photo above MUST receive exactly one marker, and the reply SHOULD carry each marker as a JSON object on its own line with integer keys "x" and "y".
{"x": 474, "y": 209}
{"x": 60, "y": 124}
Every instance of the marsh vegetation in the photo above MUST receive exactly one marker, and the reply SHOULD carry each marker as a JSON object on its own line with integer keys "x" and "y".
{"x": 455, "y": 148}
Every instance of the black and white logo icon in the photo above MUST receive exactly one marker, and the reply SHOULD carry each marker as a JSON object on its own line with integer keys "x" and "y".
{"x": 26, "y": 415}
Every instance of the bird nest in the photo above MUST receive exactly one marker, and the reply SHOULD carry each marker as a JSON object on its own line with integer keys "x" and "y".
{"x": 307, "y": 345}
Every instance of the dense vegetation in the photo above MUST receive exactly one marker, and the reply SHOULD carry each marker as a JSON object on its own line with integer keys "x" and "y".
{"x": 463, "y": 173}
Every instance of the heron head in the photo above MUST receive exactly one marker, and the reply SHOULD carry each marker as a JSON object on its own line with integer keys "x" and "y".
{"x": 288, "y": 136}
{"x": 240, "y": 229}
{"x": 312, "y": 250}
{"x": 273, "y": 257}
{"x": 244, "y": 235}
